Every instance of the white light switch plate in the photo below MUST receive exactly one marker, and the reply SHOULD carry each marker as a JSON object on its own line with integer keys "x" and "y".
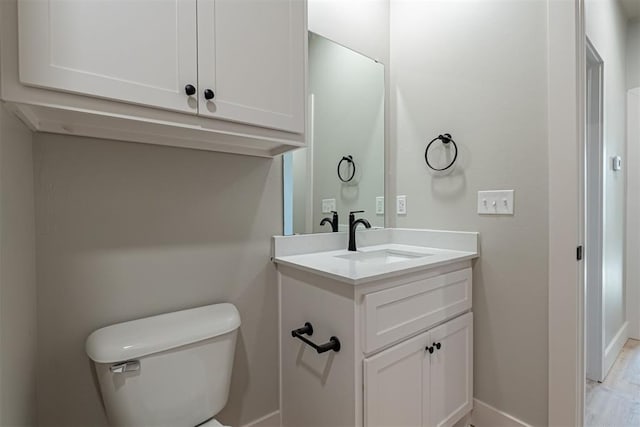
{"x": 495, "y": 202}
{"x": 401, "y": 205}
{"x": 328, "y": 205}
{"x": 379, "y": 205}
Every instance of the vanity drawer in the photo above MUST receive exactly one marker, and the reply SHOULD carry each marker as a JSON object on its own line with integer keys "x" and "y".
{"x": 393, "y": 314}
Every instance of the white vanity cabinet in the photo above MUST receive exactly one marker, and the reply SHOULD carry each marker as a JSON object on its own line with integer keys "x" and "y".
{"x": 406, "y": 348}
{"x": 423, "y": 381}
{"x": 227, "y": 75}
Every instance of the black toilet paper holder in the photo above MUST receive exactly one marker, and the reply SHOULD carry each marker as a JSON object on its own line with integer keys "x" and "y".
{"x": 307, "y": 329}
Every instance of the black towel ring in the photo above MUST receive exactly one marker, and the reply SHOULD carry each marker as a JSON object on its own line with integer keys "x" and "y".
{"x": 349, "y": 160}
{"x": 446, "y": 139}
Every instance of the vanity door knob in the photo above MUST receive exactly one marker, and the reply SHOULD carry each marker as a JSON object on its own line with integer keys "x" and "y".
{"x": 190, "y": 90}
{"x": 429, "y": 349}
{"x": 437, "y": 345}
{"x": 208, "y": 94}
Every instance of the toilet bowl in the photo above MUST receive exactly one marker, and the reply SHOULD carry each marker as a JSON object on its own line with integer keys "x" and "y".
{"x": 170, "y": 370}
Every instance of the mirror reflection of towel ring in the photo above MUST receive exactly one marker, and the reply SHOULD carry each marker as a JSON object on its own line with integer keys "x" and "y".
{"x": 446, "y": 139}
{"x": 349, "y": 160}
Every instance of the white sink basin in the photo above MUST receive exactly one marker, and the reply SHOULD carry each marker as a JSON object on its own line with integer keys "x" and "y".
{"x": 383, "y": 256}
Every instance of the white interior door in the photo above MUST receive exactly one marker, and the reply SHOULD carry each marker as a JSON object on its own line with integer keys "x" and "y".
{"x": 251, "y": 56}
{"x": 397, "y": 385}
{"x": 451, "y": 371}
{"x": 143, "y": 52}
{"x": 594, "y": 205}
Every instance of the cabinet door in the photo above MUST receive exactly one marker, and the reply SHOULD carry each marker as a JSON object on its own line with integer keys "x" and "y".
{"x": 396, "y": 381}
{"x": 451, "y": 371}
{"x": 251, "y": 57}
{"x": 143, "y": 52}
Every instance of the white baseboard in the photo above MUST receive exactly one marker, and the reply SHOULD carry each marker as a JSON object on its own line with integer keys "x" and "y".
{"x": 464, "y": 421}
{"x": 269, "y": 420}
{"x": 615, "y": 347}
{"x": 484, "y": 415}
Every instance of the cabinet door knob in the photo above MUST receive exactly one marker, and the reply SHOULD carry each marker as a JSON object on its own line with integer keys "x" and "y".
{"x": 429, "y": 349}
{"x": 437, "y": 345}
{"x": 208, "y": 94}
{"x": 190, "y": 90}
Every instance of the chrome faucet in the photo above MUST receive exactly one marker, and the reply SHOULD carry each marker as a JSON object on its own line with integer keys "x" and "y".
{"x": 333, "y": 221}
{"x": 353, "y": 223}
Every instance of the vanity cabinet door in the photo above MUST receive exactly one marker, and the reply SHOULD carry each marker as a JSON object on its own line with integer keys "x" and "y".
{"x": 397, "y": 391}
{"x": 142, "y": 52}
{"x": 407, "y": 385}
{"x": 451, "y": 371}
{"x": 251, "y": 61}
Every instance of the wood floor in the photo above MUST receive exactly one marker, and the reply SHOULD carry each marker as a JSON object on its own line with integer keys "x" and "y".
{"x": 616, "y": 401}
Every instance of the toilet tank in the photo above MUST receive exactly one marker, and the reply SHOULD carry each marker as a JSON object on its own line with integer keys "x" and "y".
{"x": 173, "y": 369}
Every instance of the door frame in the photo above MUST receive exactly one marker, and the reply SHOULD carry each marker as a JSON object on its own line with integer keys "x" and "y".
{"x": 632, "y": 271}
{"x": 566, "y": 149}
{"x": 594, "y": 215}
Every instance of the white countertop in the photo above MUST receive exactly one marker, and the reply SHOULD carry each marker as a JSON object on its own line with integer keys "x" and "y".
{"x": 332, "y": 264}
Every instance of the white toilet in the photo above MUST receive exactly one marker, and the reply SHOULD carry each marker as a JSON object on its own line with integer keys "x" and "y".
{"x": 171, "y": 370}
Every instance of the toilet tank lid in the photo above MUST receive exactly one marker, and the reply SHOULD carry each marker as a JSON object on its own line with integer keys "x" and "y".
{"x": 142, "y": 337}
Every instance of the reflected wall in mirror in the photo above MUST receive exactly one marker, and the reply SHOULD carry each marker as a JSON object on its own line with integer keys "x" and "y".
{"x": 343, "y": 165}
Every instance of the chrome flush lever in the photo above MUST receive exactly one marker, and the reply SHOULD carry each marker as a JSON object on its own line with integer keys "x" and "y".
{"x": 128, "y": 366}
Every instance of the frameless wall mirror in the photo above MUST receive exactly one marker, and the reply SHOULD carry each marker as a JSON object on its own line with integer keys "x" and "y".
{"x": 342, "y": 169}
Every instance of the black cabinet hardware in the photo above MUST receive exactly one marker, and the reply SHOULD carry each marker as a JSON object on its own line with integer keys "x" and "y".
{"x": 429, "y": 349}
{"x": 190, "y": 90}
{"x": 208, "y": 94}
{"x": 437, "y": 345}
{"x": 307, "y": 329}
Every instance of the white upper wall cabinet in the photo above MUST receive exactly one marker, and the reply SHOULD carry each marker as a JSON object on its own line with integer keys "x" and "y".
{"x": 256, "y": 74}
{"x": 221, "y": 75}
{"x": 134, "y": 51}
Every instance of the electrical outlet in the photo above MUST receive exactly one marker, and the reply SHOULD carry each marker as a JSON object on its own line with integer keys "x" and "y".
{"x": 401, "y": 205}
{"x": 328, "y": 205}
{"x": 380, "y": 205}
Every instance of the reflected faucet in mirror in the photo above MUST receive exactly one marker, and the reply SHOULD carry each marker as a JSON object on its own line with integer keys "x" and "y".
{"x": 333, "y": 221}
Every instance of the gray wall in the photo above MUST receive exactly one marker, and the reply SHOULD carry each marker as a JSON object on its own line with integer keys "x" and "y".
{"x": 606, "y": 28}
{"x": 17, "y": 275}
{"x": 480, "y": 73}
{"x": 129, "y": 230}
{"x": 633, "y": 54}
